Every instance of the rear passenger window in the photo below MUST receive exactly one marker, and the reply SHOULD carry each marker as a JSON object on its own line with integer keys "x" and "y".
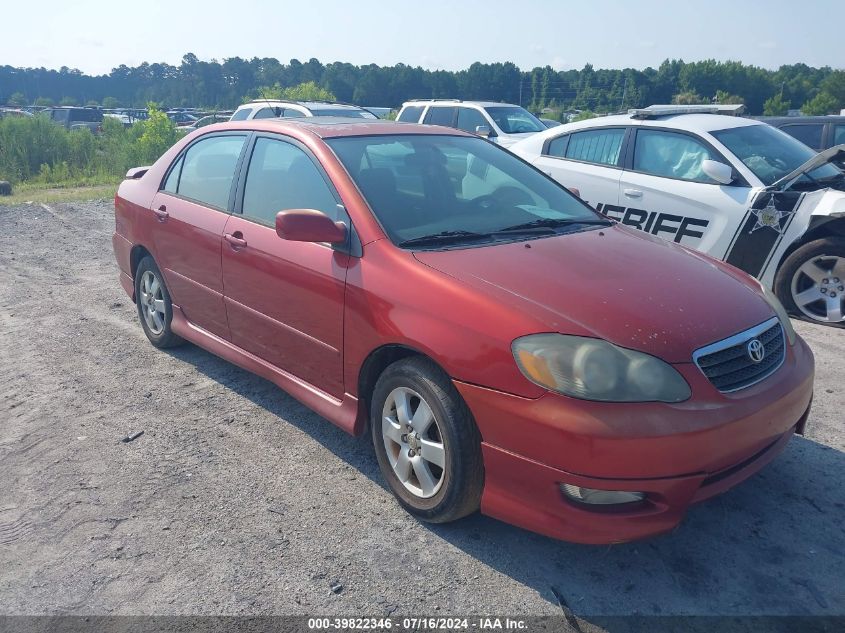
{"x": 241, "y": 115}
{"x": 268, "y": 113}
{"x": 172, "y": 181}
{"x": 411, "y": 114}
{"x": 440, "y": 116}
{"x": 469, "y": 119}
{"x": 281, "y": 176}
{"x": 290, "y": 113}
{"x": 671, "y": 155}
{"x": 810, "y": 135}
{"x": 596, "y": 146}
{"x": 839, "y": 135}
{"x": 209, "y": 168}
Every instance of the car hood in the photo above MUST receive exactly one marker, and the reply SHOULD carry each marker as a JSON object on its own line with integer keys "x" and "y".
{"x": 634, "y": 290}
{"x": 835, "y": 154}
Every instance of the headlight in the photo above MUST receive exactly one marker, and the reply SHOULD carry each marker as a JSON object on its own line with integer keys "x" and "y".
{"x": 780, "y": 311}
{"x": 594, "y": 369}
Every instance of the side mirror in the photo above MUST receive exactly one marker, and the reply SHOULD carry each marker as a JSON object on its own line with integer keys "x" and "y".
{"x": 721, "y": 173}
{"x": 483, "y": 131}
{"x": 309, "y": 225}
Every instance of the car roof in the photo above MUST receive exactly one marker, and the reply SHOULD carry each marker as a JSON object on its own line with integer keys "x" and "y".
{"x": 452, "y": 102}
{"x": 305, "y": 104}
{"x": 686, "y": 122}
{"x": 333, "y": 127}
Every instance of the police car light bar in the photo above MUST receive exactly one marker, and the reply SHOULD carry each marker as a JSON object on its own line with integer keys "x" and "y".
{"x": 655, "y": 111}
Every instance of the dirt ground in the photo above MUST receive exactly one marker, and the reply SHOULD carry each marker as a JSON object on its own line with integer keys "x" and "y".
{"x": 238, "y": 500}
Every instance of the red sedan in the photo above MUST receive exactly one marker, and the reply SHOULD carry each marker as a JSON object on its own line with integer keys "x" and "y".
{"x": 508, "y": 348}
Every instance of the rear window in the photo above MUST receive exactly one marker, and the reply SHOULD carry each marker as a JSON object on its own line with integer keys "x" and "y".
{"x": 241, "y": 115}
{"x": 411, "y": 114}
{"x": 440, "y": 116}
{"x": 839, "y": 135}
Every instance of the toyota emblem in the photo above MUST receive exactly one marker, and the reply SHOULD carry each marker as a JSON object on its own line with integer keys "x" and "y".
{"x": 756, "y": 350}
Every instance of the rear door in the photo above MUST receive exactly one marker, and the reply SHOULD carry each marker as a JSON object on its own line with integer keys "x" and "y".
{"x": 192, "y": 208}
{"x": 664, "y": 191}
{"x": 587, "y": 160}
{"x": 284, "y": 300}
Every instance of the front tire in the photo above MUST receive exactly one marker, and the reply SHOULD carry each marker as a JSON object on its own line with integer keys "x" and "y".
{"x": 811, "y": 282}
{"x": 426, "y": 442}
{"x": 155, "y": 310}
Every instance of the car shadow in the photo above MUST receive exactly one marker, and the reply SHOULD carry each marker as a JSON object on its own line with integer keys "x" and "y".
{"x": 773, "y": 546}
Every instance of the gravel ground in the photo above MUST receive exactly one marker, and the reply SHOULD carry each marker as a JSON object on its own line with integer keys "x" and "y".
{"x": 238, "y": 500}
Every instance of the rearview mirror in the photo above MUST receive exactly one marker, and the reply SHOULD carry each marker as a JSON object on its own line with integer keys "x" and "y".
{"x": 482, "y": 131}
{"x": 721, "y": 173}
{"x": 309, "y": 225}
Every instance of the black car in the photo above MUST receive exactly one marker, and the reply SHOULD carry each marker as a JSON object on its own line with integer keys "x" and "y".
{"x": 72, "y": 118}
{"x": 818, "y": 132}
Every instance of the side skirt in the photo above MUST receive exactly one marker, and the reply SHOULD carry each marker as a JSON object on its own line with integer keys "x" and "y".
{"x": 342, "y": 413}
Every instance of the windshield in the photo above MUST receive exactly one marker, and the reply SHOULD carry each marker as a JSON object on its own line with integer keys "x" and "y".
{"x": 771, "y": 153}
{"x": 461, "y": 188}
{"x": 515, "y": 120}
{"x": 355, "y": 114}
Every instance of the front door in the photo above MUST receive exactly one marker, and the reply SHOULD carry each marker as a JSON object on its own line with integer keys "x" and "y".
{"x": 666, "y": 193}
{"x": 284, "y": 300}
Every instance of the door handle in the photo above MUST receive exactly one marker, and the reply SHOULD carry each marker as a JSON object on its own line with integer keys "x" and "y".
{"x": 633, "y": 193}
{"x": 161, "y": 213}
{"x": 236, "y": 240}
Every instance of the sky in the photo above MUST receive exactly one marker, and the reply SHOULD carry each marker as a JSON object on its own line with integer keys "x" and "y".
{"x": 98, "y": 36}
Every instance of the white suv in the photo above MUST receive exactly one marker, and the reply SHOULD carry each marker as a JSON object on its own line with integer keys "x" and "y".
{"x": 275, "y": 109}
{"x": 502, "y": 123}
{"x": 735, "y": 188}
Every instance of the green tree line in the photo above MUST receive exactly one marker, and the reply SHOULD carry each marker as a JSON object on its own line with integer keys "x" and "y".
{"x": 224, "y": 84}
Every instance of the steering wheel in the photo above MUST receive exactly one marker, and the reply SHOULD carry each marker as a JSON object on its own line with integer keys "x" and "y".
{"x": 487, "y": 202}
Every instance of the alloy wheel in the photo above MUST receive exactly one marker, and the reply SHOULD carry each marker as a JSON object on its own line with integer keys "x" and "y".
{"x": 413, "y": 442}
{"x": 818, "y": 288}
{"x": 151, "y": 301}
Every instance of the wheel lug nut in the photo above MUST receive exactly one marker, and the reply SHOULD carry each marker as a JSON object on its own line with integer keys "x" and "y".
{"x": 832, "y": 294}
{"x": 411, "y": 453}
{"x": 825, "y": 280}
{"x": 404, "y": 438}
{"x": 823, "y": 291}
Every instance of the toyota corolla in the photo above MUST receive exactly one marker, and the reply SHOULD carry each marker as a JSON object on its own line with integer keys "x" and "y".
{"x": 508, "y": 348}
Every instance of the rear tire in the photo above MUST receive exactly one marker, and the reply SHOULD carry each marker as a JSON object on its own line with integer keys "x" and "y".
{"x": 811, "y": 282}
{"x": 155, "y": 310}
{"x": 426, "y": 442}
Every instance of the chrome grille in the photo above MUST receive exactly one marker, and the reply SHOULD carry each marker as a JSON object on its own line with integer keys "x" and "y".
{"x": 728, "y": 364}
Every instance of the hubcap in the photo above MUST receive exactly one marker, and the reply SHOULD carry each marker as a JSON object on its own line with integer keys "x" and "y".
{"x": 818, "y": 288}
{"x": 151, "y": 301}
{"x": 413, "y": 442}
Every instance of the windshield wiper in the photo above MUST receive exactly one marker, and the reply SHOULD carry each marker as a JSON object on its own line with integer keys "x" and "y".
{"x": 444, "y": 237}
{"x": 549, "y": 224}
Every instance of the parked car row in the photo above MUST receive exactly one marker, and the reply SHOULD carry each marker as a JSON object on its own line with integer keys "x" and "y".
{"x": 506, "y": 346}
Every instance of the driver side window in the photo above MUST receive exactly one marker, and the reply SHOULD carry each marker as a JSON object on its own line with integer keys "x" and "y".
{"x": 671, "y": 155}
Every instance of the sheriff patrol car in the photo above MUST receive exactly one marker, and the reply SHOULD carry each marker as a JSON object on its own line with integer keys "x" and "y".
{"x": 735, "y": 188}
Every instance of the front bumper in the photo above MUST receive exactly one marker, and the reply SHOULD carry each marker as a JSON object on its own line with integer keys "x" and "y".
{"x": 531, "y": 446}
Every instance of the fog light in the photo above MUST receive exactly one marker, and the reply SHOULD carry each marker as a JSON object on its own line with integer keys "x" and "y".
{"x": 600, "y": 497}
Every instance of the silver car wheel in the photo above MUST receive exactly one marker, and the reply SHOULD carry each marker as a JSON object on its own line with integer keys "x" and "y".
{"x": 413, "y": 442}
{"x": 818, "y": 288}
{"x": 151, "y": 301}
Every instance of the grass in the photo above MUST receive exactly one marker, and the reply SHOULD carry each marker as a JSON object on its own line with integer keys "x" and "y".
{"x": 51, "y": 193}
